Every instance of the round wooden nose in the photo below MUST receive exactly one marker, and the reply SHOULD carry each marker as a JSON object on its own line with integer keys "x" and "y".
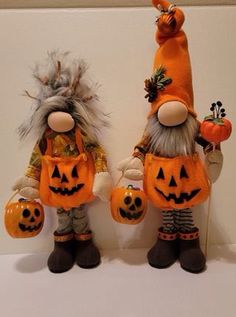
{"x": 60, "y": 121}
{"x": 172, "y": 113}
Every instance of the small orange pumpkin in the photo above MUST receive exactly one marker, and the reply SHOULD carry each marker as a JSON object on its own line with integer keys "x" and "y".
{"x": 128, "y": 204}
{"x": 215, "y": 128}
{"x": 24, "y": 218}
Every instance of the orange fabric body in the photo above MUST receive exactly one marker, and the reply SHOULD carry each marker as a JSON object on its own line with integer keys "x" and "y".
{"x": 175, "y": 183}
{"x": 66, "y": 181}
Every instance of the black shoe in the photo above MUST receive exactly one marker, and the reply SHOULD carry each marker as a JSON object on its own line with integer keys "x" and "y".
{"x": 87, "y": 254}
{"x": 165, "y": 252}
{"x": 191, "y": 256}
{"x": 62, "y": 257}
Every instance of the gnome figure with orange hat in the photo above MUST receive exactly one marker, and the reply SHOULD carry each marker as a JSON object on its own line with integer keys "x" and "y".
{"x": 174, "y": 177}
{"x": 68, "y": 166}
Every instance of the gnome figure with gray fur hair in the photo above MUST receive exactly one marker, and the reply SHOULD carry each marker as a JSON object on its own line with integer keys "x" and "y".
{"x": 68, "y": 166}
{"x": 174, "y": 176}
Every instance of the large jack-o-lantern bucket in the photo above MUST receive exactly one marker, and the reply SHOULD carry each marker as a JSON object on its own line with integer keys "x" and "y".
{"x": 128, "y": 204}
{"x": 23, "y": 218}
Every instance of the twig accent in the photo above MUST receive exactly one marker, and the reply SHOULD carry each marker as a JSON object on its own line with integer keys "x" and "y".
{"x": 28, "y": 95}
{"x": 43, "y": 81}
{"x": 58, "y": 69}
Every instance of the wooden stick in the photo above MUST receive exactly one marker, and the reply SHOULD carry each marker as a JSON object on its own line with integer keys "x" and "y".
{"x": 208, "y": 222}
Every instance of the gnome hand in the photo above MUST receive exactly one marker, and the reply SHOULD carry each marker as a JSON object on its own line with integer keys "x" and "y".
{"x": 102, "y": 186}
{"x": 28, "y": 187}
{"x": 132, "y": 168}
{"x": 214, "y": 163}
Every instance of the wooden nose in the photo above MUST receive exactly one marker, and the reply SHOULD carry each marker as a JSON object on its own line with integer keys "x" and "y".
{"x": 172, "y": 113}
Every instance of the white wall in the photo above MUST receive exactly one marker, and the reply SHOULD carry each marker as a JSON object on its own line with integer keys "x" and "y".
{"x": 119, "y": 45}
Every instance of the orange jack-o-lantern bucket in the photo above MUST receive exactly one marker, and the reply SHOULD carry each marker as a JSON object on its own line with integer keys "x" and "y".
{"x": 24, "y": 218}
{"x": 128, "y": 204}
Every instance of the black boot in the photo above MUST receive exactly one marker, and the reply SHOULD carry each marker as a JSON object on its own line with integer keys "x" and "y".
{"x": 191, "y": 256}
{"x": 87, "y": 254}
{"x": 165, "y": 252}
{"x": 62, "y": 257}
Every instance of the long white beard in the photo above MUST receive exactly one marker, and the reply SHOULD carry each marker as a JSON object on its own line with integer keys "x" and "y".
{"x": 172, "y": 141}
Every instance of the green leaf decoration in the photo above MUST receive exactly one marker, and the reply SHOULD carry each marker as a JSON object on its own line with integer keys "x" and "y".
{"x": 158, "y": 81}
{"x": 209, "y": 118}
{"x": 218, "y": 121}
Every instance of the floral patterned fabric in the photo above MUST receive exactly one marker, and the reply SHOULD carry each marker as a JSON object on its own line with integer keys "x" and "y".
{"x": 63, "y": 145}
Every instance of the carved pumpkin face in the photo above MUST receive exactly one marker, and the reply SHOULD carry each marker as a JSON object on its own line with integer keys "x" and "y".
{"x": 175, "y": 183}
{"x": 24, "y": 219}
{"x": 66, "y": 182}
{"x": 128, "y": 205}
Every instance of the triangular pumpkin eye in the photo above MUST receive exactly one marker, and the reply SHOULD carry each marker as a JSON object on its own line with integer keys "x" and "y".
{"x": 56, "y": 173}
{"x": 160, "y": 174}
{"x": 74, "y": 172}
{"x": 183, "y": 173}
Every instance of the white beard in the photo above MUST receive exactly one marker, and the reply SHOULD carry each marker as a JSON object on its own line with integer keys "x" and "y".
{"x": 172, "y": 141}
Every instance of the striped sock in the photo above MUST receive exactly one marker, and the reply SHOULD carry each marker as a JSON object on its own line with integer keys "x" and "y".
{"x": 183, "y": 220}
{"x": 168, "y": 221}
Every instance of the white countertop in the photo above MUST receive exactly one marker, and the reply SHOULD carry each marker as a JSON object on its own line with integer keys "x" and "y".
{"x": 124, "y": 285}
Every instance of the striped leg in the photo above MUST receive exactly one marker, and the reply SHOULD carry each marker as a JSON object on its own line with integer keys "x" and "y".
{"x": 169, "y": 221}
{"x": 183, "y": 220}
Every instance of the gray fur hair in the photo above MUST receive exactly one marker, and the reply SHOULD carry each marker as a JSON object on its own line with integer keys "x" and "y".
{"x": 63, "y": 86}
{"x": 172, "y": 141}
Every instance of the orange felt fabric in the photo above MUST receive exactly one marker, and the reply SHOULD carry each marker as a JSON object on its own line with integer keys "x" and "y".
{"x": 173, "y": 55}
{"x": 175, "y": 183}
{"x": 66, "y": 188}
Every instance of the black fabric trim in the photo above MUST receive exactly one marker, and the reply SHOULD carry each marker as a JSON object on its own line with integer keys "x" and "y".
{"x": 43, "y": 145}
{"x": 201, "y": 141}
{"x": 141, "y": 149}
{"x": 74, "y": 172}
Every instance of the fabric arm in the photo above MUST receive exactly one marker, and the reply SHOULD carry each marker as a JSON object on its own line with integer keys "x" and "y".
{"x": 99, "y": 157}
{"x": 207, "y": 146}
{"x": 142, "y": 148}
{"x": 34, "y": 168}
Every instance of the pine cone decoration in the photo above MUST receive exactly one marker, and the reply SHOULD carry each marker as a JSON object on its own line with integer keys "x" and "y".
{"x": 158, "y": 81}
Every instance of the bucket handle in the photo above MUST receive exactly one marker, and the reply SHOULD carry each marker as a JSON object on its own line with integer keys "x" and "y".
{"x": 12, "y": 197}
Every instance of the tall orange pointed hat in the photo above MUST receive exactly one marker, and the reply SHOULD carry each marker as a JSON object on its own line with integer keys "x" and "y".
{"x": 172, "y": 76}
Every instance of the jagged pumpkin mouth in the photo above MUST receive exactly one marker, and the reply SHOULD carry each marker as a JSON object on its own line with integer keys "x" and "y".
{"x": 129, "y": 215}
{"x": 66, "y": 191}
{"x": 182, "y": 198}
{"x": 29, "y": 228}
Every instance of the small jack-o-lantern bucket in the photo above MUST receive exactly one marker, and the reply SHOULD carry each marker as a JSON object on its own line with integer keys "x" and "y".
{"x": 128, "y": 204}
{"x": 23, "y": 218}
